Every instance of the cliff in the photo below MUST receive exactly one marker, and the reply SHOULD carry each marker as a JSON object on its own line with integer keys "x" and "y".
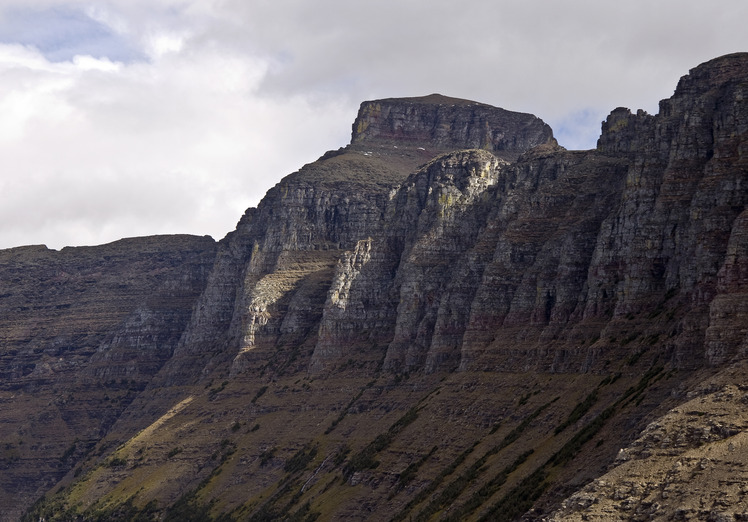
{"x": 437, "y": 123}
{"x": 450, "y": 318}
{"x": 83, "y": 331}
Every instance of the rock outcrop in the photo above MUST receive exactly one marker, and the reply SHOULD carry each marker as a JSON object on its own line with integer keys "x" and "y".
{"x": 438, "y": 123}
{"x": 450, "y": 318}
{"x": 687, "y": 465}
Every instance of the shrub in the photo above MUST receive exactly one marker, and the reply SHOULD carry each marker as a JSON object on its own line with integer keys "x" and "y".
{"x": 266, "y": 455}
{"x": 116, "y": 462}
{"x": 259, "y": 394}
{"x": 173, "y": 452}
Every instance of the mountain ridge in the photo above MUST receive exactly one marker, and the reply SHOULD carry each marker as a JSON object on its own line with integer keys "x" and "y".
{"x": 450, "y": 318}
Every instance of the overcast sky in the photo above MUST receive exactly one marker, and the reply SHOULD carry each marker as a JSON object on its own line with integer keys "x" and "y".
{"x": 123, "y": 118}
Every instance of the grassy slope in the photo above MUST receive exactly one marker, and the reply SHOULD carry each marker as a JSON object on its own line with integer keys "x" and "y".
{"x": 261, "y": 448}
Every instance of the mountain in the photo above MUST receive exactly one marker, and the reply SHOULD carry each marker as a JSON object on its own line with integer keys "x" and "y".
{"x": 451, "y": 318}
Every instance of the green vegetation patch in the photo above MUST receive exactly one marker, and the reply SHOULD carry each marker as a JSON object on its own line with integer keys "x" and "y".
{"x": 578, "y": 412}
{"x": 259, "y": 394}
{"x": 344, "y": 412}
{"x": 455, "y": 488}
{"x": 301, "y": 459}
{"x": 488, "y": 489}
{"x": 364, "y": 459}
{"x": 425, "y": 492}
{"x": 409, "y": 473}
{"x": 521, "y": 498}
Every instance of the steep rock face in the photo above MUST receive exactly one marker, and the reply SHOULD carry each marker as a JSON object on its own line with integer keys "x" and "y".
{"x": 684, "y": 191}
{"x": 439, "y": 123}
{"x": 277, "y": 266}
{"x": 579, "y": 244}
{"x": 71, "y": 303}
{"x": 390, "y": 282}
{"x": 76, "y": 322}
{"x": 442, "y": 212}
{"x": 727, "y": 336}
{"x": 282, "y": 259}
{"x": 532, "y": 287}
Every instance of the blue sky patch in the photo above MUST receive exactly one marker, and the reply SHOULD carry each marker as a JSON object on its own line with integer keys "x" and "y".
{"x": 578, "y": 130}
{"x": 62, "y": 33}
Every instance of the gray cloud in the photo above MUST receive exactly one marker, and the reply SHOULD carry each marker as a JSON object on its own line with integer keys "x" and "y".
{"x": 132, "y": 117}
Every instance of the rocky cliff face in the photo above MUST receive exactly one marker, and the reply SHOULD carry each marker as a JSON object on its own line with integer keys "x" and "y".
{"x": 284, "y": 254}
{"x": 441, "y": 124}
{"x": 566, "y": 249}
{"x": 83, "y": 331}
{"x": 686, "y": 465}
{"x": 450, "y": 318}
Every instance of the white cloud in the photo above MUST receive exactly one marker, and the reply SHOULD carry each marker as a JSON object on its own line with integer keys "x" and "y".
{"x": 134, "y": 117}
{"x": 95, "y": 150}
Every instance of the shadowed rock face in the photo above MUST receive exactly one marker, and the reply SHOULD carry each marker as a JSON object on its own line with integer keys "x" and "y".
{"x": 83, "y": 331}
{"x": 409, "y": 304}
{"x": 564, "y": 247}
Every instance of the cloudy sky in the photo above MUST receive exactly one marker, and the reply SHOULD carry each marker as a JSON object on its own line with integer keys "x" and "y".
{"x": 123, "y": 118}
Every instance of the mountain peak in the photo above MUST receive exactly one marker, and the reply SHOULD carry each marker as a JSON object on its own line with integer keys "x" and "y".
{"x": 441, "y": 123}
{"x": 434, "y": 99}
